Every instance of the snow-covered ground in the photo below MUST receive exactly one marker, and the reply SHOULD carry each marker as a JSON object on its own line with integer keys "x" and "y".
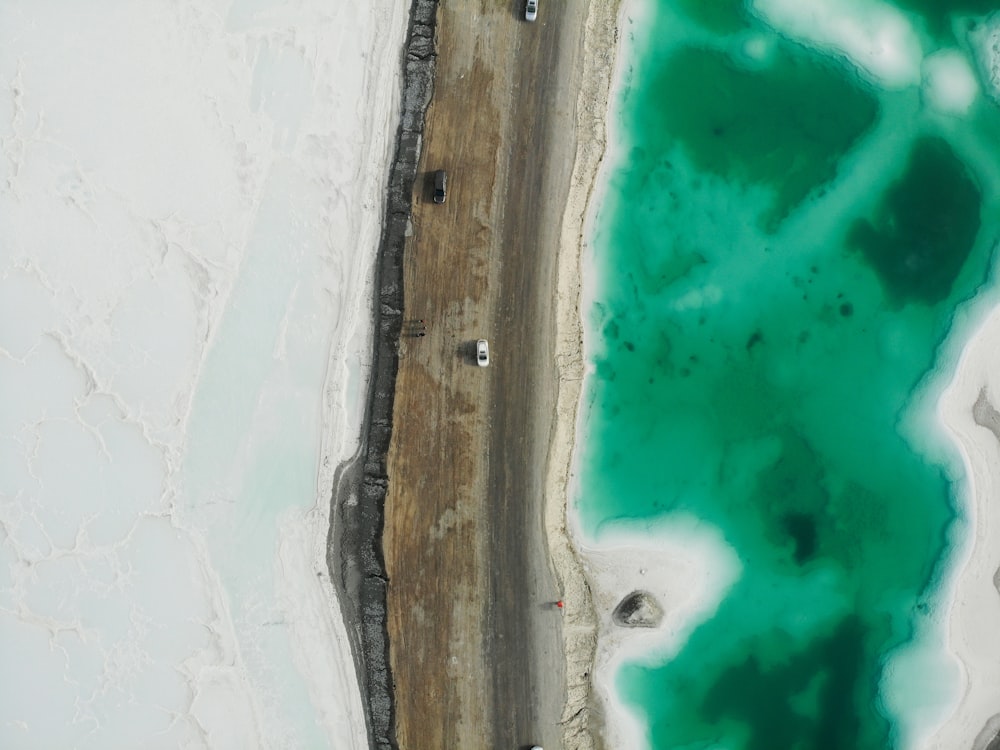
{"x": 190, "y": 201}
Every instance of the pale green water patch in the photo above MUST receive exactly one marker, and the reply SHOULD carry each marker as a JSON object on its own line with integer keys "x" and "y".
{"x": 723, "y": 16}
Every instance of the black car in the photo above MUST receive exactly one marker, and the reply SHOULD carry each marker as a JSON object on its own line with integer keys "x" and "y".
{"x": 440, "y": 186}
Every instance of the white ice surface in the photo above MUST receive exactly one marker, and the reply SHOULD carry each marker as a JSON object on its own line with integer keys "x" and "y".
{"x": 190, "y": 201}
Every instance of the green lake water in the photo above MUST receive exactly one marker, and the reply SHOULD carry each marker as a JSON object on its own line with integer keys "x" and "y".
{"x": 784, "y": 263}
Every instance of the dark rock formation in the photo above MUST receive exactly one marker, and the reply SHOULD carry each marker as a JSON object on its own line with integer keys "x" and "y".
{"x": 638, "y": 610}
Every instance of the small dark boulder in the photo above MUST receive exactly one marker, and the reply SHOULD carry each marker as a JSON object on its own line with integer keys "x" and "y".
{"x": 638, "y": 610}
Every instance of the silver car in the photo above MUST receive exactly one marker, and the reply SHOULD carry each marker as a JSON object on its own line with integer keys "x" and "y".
{"x": 531, "y": 10}
{"x": 482, "y": 353}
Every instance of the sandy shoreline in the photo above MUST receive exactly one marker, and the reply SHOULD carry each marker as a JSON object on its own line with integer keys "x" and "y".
{"x": 583, "y": 723}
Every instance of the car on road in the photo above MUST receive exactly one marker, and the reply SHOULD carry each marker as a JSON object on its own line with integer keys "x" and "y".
{"x": 530, "y": 10}
{"x": 482, "y": 353}
{"x": 440, "y": 186}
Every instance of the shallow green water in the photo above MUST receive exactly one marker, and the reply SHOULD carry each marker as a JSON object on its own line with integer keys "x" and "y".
{"x": 778, "y": 263}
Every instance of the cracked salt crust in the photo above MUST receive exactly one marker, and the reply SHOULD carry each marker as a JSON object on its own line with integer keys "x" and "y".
{"x": 191, "y": 204}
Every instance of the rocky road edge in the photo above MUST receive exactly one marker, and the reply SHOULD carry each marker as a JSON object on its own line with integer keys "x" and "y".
{"x": 354, "y": 544}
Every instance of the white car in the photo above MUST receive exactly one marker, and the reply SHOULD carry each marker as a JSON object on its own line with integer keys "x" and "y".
{"x": 440, "y": 186}
{"x": 530, "y": 10}
{"x": 482, "y": 353}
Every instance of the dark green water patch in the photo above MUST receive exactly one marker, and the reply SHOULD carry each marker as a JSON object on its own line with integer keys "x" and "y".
{"x": 802, "y": 528}
{"x": 819, "y": 685}
{"x": 784, "y": 125}
{"x": 820, "y": 694}
{"x": 925, "y": 227}
{"x": 793, "y": 500}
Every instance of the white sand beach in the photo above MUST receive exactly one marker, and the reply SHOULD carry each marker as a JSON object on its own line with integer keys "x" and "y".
{"x": 192, "y": 198}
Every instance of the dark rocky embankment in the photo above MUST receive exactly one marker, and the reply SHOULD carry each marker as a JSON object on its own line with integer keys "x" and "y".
{"x": 354, "y": 546}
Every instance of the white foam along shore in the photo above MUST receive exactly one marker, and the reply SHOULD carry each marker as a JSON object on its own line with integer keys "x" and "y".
{"x": 662, "y": 558}
{"x": 191, "y": 198}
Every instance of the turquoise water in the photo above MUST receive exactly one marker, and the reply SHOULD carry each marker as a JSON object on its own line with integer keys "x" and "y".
{"x": 786, "y": 260}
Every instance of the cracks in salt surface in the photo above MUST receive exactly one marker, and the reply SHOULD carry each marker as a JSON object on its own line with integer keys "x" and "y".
{"x": 71, "y": 593}
{"x": 75, "y": 189}
{"x": 122, "y": 661}
{"x": 16, "y": 146}
{"x": 112, "y": 592}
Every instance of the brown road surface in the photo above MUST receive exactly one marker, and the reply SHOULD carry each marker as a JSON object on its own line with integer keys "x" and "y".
{"x": 475, "y": 641}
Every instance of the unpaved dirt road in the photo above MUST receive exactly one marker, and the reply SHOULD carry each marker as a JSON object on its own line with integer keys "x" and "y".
{"x": 474, "y": 636}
